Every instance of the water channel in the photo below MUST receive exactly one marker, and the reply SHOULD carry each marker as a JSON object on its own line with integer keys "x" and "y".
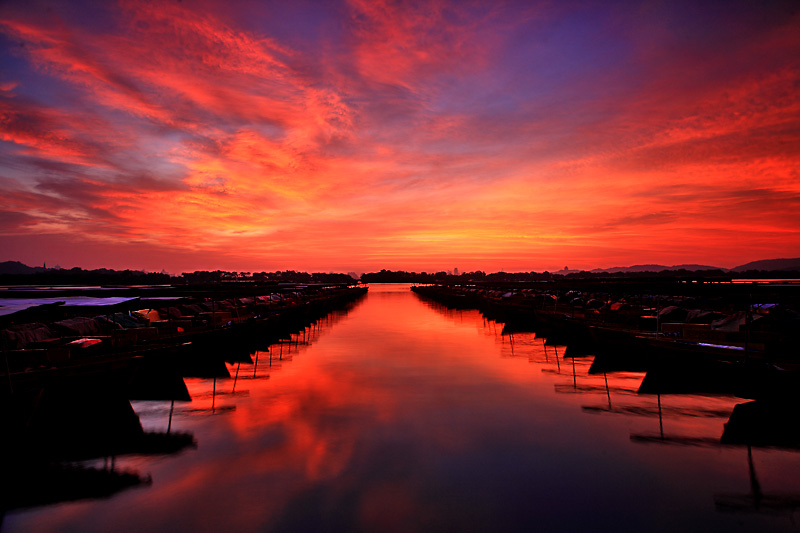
{"x": 401, "y": 415}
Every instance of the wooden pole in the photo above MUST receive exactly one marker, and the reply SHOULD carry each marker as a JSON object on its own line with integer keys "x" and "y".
{"x": 171, "y": 409}
{"x": 574, "y": 377}
{"x": 214, "y": 395}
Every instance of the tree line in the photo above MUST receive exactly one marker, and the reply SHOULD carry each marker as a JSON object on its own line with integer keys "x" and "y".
{"x": 105, "y": 276}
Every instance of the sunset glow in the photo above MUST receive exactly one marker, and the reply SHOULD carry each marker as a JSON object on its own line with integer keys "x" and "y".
{"x": 360, "y": 135}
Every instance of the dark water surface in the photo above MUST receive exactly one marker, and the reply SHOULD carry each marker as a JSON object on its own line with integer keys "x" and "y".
{"x": 403, "y": 416}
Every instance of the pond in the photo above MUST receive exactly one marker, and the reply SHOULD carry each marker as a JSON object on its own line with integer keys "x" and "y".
{"x": 402, "y": 415}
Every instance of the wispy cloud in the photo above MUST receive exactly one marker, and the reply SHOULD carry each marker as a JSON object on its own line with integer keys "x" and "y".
{"x": 402, "y": 135}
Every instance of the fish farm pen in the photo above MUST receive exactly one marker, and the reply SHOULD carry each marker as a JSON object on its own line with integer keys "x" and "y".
{"x": 74, "y": 357}
{"x": 734, "y": 336}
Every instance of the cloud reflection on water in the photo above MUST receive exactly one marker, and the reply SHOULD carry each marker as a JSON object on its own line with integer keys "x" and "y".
{"x": 403, "y": 417}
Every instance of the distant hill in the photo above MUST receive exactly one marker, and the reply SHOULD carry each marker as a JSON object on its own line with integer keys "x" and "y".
{"x": 655, "y": 268}
{"x": 15, "y": 267}
{"x": 770, "y": 265}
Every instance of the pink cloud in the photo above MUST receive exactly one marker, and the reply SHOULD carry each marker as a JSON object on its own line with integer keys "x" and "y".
{"x": 411, "y": 135}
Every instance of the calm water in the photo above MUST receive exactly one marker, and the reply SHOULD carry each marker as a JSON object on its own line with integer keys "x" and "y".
{"x": 402, "y": 416}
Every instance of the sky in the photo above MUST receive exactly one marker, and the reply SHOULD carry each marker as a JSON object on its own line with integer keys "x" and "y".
{"x": 424, "y": 136}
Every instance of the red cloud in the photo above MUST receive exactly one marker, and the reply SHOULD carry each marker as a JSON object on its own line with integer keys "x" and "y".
{"x": 404, "y": 134}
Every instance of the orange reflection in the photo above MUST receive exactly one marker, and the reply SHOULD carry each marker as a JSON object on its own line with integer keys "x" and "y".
{"x": 401, "y": 415}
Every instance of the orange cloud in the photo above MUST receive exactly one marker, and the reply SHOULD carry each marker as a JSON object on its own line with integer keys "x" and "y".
{"x": 384, "y": 135}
